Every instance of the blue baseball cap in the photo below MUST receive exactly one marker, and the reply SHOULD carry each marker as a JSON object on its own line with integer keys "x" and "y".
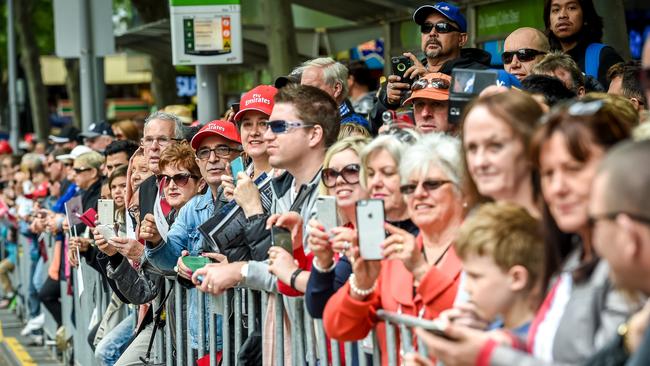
{"x": 449, "y": 11}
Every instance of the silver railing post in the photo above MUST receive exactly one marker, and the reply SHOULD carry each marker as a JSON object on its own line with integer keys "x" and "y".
{"x": 202, "y": 314}
{"x": 212, "y": 326}
{"x": 169, "y": 358}
{"x": 178, "y": 319}
{"x": 238, "y": 320}
{"x": 225, "y": 325}
{"x": 279, "y": 330}
{"x": 390, "y": 344}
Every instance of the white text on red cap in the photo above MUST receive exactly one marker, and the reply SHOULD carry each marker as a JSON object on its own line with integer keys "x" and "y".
{"x": 257, "y": 98}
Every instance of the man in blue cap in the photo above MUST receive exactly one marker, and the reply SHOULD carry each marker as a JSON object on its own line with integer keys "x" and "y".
{"x": 443, "y": 34}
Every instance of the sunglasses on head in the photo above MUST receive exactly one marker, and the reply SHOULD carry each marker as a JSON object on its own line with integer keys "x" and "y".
{"x": 441, "y": 27}
{"x": 179, "y": 179}
{"x": 523, "y": 55}
{"x": 282, "y": 126}
{"x": 428, "y": 185}
{"x": 435, "y": 83}
{"x": 349, "y": 173}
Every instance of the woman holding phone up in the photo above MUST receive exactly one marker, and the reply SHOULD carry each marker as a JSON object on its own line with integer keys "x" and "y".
{"x": 419, "y": 275}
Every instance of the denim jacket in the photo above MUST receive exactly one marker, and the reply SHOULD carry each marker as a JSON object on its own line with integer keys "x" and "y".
{"x": 184, "y": 235}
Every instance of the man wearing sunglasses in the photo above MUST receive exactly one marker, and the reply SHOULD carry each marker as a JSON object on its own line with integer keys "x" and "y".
{"x": 303, "y": 124}
{"x": 619, "y": 210}
{"x": 430, "y": 98}
{"x": 523, "y": 49}
{"x": 443, "y": 34}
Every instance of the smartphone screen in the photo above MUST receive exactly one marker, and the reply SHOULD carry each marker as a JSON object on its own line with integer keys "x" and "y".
{"x": 281, "y": 237}
{"x": 106, "y": 212}
{"x": 370, "y": 226}
{"x": 236, "y": 166}
{"x": 326, "y": 212}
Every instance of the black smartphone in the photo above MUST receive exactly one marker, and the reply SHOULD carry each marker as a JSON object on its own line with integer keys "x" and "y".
{"x": 399, "y": 66}
{"x": 281, "y": 237}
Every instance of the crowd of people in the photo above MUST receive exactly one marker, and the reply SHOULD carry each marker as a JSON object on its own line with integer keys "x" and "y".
{"x": 523, "y": 229}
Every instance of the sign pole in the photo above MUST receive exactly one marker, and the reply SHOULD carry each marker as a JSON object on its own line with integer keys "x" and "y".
{"x": 207, "y": 82}
{"x": 11, "y": 65}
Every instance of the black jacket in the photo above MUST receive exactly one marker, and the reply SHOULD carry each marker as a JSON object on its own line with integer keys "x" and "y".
{"x": 470, "y": 58}
{"x": 147, "y": 194}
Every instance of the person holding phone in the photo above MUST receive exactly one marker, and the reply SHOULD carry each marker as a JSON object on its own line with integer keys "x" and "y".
{"x": 567, "y": 149}
{"x": 420, "y": 275}
{"x": 339, "y": 178}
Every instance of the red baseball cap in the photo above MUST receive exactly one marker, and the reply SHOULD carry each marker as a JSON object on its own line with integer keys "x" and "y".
{"x": 260, "y": 98}
{"x": 216, "y": 128}
{"x": 5, "y": 148}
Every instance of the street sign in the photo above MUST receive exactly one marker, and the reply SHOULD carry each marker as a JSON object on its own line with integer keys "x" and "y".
{"x": 206, "y": 32}
{"x": 67, "y": 27}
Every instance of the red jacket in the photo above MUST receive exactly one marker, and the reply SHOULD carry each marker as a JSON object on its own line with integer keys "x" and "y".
{"x": 346, "y": 319}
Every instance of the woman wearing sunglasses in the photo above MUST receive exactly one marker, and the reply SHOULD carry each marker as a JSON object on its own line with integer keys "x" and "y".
{"x": 419, "y": 276}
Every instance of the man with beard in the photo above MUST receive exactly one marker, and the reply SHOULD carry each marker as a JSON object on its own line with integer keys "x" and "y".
{"x": 443, "y": 34}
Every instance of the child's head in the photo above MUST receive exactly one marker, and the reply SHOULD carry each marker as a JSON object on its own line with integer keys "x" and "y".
{"x": 502, "y": 250}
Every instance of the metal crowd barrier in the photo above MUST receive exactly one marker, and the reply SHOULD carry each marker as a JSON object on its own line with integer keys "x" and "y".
{"x": 308, "y": 340}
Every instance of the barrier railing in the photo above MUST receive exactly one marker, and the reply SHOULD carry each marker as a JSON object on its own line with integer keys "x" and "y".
{"x": 243, "y": 311}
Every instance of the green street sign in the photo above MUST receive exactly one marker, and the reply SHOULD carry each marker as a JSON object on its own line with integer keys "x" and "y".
{"x": 500, "y": 19}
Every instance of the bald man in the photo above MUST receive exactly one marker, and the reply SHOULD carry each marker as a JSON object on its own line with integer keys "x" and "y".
{"x": 522, "y": 50}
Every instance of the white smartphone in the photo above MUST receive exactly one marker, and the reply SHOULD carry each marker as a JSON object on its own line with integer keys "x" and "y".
{"x": 326, "y": 212}
{"x": 370, "y": 228}
{"x": 107, "y": 231}
{"x": 106, "y": 212}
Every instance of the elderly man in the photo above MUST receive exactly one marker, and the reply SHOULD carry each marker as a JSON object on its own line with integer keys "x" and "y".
{"x": 332, "y": 77}
{"x": 620, "y": 210}
{"x": 523, "y": 49}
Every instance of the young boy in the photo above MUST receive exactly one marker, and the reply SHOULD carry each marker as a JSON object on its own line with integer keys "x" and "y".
{"x": 502, "y": 250}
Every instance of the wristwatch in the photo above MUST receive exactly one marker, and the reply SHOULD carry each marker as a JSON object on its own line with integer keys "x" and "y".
{"x": 244, "y": 272}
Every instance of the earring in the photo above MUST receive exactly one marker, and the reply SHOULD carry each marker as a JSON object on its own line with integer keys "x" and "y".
{"x": 465, "y": 204}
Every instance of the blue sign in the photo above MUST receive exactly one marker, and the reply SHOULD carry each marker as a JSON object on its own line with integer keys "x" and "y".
{"x": 186, "y": 86}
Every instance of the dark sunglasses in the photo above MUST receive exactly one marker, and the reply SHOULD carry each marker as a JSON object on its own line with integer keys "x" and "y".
{"x": 179, "y": 179}
{"x": 282, "y": 126}
{"x": 80, "y": 170}
{"x": 349, "y": 173}
{"x": 441, "y": 27}
{"x": 435, "y": 83}
{"x": 523, "y": 55}
{"x": 428, "y": 185}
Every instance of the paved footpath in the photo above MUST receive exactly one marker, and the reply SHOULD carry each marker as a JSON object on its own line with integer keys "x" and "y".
{"x": 15, "y": 350}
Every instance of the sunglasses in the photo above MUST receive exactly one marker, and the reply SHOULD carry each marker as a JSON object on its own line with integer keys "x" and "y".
{"x": 282, "y": 126}
{"x": 179, "y": 179}
{"x": 441, "y": 27}
{"x": 523, "y": 55}
{"x": 80, "y": 170}
{"x": 435, "y": 83}
{"x": 349, "y": 173}
{"x": 428, "y": 185}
